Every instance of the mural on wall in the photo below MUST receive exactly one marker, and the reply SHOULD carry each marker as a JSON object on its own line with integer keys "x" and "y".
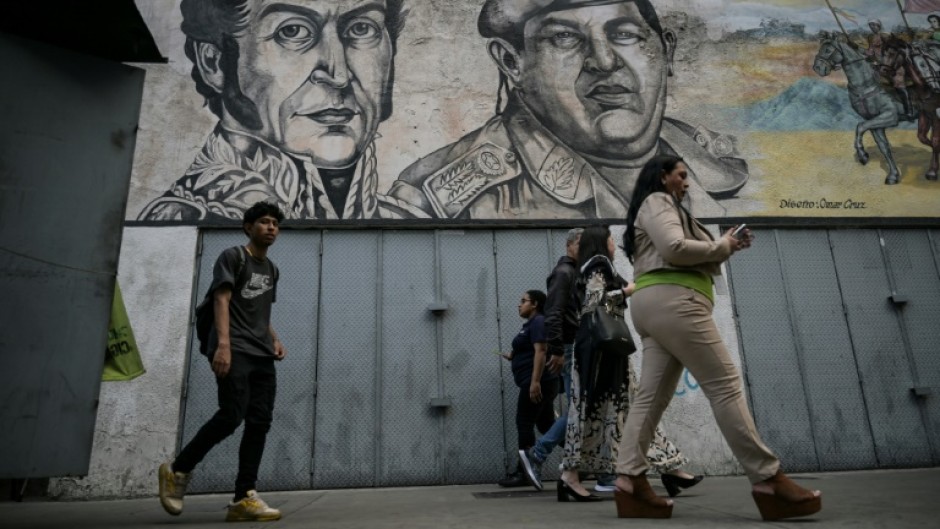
{"x": 543, "y": 109}
{"x": 585, "y": 85}
{"x": 299, "y": 89}
{"x": 913, "y": 68}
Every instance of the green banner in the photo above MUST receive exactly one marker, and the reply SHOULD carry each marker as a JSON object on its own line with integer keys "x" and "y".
{"x": 122, "y": 358}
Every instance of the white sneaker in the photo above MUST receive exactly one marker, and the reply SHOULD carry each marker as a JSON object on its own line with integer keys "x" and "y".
{"x": 606, "y": 483}
{"x": 533, "y": 468}
{"x": 172, "y": 489}
{"x": 251, "y": 508}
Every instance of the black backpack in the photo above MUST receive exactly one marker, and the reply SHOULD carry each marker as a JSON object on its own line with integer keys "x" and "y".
{"x": 205, "y": 311}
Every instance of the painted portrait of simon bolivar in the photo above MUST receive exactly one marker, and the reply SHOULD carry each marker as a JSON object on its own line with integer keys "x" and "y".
{"x": 299, "y": 88}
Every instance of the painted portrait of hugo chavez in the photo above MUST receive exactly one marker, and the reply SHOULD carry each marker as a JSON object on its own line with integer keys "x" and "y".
{"x": 585, "y": 85}
{"x": 299, "y": 88}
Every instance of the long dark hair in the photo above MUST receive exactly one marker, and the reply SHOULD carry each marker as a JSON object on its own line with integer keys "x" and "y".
{"x": 649, "y": 182}
{"x": 593, "y": 242}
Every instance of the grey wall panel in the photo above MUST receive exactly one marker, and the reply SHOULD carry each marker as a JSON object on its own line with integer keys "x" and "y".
{"x": 895, "y": 421}
{"x": 217, "y": 471}
{"x": 768, "y": 344}
{"x": 344, "y": 449}
{"x": 915, "y": 275}
{"x": 286, "y": 462}
{"x": 473, "y": 431}
{"x": 524, "y": 259}
{"x": 839, "y": 419}
{"x": 410, "y": 437}
{"x": 66, "y": 151}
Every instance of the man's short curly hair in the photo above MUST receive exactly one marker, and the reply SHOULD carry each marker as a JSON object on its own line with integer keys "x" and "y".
{"x": 261, "y": 209}
{"x": 214, "y": 21}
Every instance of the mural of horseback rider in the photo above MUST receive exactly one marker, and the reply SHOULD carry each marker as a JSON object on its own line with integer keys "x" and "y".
{"x": 929, "y": 42}
{"x": 922, "y": 66}
{"x": 885, "y": 53}
{"x": 931, "y": 36}
{"x": 908, "y": 65}
{"x": 869, "y": 99}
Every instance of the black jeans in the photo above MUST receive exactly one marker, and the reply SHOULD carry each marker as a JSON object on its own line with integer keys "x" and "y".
{"x": 245, "y": 394}
{"x": 539, "y": 415}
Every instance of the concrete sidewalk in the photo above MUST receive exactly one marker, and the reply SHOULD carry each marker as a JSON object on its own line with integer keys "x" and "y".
{"x": 868, "y": 499}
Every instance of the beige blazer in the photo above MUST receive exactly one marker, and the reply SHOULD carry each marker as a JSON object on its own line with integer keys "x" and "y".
{"x": 668, "y": 237}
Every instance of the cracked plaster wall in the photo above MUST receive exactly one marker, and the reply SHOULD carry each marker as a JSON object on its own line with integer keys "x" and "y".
{"x": 138, "y": 420}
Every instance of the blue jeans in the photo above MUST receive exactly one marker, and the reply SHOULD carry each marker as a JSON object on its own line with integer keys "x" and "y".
{"x": 556, "y": 434}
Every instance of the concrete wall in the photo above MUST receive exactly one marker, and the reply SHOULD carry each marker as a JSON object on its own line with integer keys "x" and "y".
{"x": 138, "y": 421}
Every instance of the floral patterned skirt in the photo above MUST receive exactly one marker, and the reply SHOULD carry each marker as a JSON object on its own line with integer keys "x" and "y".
{"x": 595, "y": 423}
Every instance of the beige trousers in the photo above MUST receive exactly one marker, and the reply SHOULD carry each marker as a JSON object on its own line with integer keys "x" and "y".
{"x": 677, "y": 330}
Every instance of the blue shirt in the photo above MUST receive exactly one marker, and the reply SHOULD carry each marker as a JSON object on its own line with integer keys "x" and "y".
{"x": 523, "y": 351}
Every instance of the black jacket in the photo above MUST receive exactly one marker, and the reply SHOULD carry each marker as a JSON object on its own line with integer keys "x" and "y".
{"x": 562, "y": 305}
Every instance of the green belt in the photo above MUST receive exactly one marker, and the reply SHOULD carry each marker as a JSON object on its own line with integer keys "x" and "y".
{"x": 688, "y": 278}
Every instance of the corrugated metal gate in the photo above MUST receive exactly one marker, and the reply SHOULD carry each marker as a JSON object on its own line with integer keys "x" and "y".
{"x": 840, "y": 332}
{"x": 390, "y": 377}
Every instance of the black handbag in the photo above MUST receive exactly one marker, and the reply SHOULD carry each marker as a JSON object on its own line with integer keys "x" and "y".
{"x": 609, "y": 334}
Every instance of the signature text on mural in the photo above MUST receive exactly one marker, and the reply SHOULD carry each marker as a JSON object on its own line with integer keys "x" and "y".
{"x": 822, "y": 203}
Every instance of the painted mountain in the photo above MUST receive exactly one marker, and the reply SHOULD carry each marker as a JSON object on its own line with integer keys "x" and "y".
{"x": 808, "y": 104}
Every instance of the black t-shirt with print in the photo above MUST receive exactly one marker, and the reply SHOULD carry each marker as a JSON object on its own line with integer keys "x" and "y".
{"x": 254, "y": 289}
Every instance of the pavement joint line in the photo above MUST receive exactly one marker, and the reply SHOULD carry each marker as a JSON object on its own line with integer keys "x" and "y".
{"x": 723, "y": 512}
{"x": 306, "y": 504}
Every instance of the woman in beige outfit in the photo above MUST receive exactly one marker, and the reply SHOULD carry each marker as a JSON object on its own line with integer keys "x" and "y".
{"x": 674, "y": 258}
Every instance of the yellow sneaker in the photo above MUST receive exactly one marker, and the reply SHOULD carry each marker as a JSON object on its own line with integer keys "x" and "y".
{"x": 251, "y": 508}
{"x": 172, "y": 489}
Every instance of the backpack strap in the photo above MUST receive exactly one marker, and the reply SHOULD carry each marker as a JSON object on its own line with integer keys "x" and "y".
{"x": 240, "y": 264}
{"x": 596, "y": 259}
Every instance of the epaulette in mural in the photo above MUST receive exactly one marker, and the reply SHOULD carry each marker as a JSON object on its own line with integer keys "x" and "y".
{"x": 451, "y": 189}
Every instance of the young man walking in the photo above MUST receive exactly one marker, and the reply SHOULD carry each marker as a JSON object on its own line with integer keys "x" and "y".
{"x": 561, "y": 324}
{"x": 242, "y": 348}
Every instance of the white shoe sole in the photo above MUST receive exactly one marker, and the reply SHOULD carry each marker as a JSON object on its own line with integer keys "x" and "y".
{"x": 529, "y": 471}
{"x": 166, "y": 473}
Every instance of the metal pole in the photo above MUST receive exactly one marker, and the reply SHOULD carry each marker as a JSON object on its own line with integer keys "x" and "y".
{"x": 903, "y": 16}
{"x": 835, "y": 16}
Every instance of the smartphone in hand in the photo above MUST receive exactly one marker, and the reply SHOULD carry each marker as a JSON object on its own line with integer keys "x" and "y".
{"x": 739, "y": 232}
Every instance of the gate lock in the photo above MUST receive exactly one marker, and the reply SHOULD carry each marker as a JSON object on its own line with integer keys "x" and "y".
{"x": 438, "y": 307}
{"x": 898, "y": 299}
{"x": 441, "y": 402}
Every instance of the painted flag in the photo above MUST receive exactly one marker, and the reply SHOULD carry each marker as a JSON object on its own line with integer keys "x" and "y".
{"x": 921, "y": 6}
{"x": 846, "y": 15}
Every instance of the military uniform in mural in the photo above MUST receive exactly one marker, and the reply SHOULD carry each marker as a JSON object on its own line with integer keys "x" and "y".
{"x": 586, "y": 86}
{"x": 513, "y": 168}
{"x": 234, "y": 170}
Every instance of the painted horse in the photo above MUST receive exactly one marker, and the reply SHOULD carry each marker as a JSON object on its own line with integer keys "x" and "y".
{"x": 878, "y": 109}
{"x": 922, "y": 63}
